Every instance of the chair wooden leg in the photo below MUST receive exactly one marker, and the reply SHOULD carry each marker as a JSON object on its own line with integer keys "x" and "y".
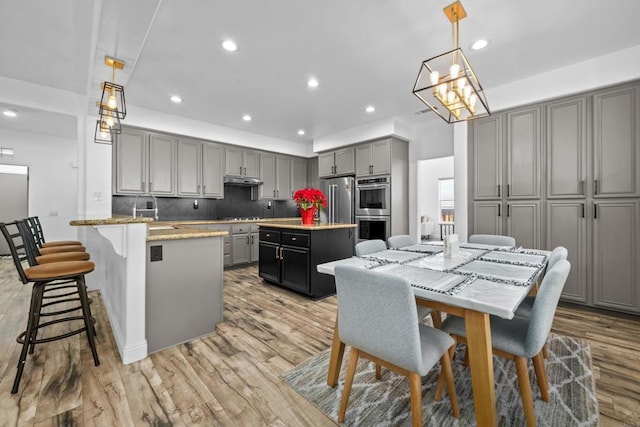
{"x": 541, "y": 376}
{"x": 415, "y": 389}
{"x": 436, "y": 318}
{"x": 448, "y": 375}
{"x": 378, "y": 371}
{"x": 525, "y": 391}
{"x": 545, "y": 351}
{"x": 348, "y": 381}
{"x": 440, "y": 384}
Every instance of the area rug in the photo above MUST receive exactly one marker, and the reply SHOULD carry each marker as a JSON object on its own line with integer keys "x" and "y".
{"x": 386, "y": 402}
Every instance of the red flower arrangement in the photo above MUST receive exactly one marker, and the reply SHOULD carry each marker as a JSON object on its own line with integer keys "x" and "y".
{"x": 310, "y": 197}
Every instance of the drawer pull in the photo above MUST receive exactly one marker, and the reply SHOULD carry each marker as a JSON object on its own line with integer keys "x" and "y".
{"x": 294, "y": 238}
{"x": 268, "y": 235}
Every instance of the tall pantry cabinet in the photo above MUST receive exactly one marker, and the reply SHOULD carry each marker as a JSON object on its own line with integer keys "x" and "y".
{"x": 572, "y": 178}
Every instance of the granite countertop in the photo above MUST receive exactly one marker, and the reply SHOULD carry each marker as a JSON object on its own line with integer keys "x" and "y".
{"x": 297, "y": 225}
{"x": 181, "y": 233}
{"x": 110, "y": 221}
{"x": 227, "y": 221}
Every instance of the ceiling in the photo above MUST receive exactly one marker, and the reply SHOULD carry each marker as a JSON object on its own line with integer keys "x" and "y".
{"x": 362, "y": 52}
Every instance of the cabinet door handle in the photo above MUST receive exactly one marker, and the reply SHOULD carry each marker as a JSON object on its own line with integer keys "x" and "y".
{"x": 198, "y": 188}
{"x": 508, "y": 190}
{"x": 499, "y": 210}
{"x": 277, "y": 193}
{"x": 595, "y": 211}
{"x": 143, "y": 186}
{"x": 274, "y": 193}
{"x": 240, "y": 170}
{"x": 595, "y": 187}
{"x": 252, "y": 240}
{"x": 150, "y": 186}
{"x": 582, "y": 210}
{"x": 247, "y": 240}
{"x": 499, "y": 190}
{"x": 281, "y": 253}
{"x": 582, "y": 187}
{"x": 508, "y": 210}
{"x": 277, "y": 256}
{"x": 245, "y": 171}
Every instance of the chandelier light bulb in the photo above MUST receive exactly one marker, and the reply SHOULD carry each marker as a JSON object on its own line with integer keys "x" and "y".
{"x": 434, "y": 77}
{"x": 451, "y": 96}
{"x": 454, "y": 70}
{"x": 109, "y": 122}
{"x": 112, "y": 103}
{"x": 443, "y": 90}
{"x": 472, "y": 100}
{"x": 467, "y": 92}
{"x": 462, "y": 82}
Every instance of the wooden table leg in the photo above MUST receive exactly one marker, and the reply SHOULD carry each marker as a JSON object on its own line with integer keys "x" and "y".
{"x": 335, "y": 361}
{"x": 480, "y": 359}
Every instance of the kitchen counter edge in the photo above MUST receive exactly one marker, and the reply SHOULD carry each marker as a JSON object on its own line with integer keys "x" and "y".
{"x": 299, "y": 226}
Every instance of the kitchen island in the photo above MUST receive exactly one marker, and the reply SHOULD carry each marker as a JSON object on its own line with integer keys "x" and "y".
{"x": 161, "y": 285}
{"x": 290, "y": 251}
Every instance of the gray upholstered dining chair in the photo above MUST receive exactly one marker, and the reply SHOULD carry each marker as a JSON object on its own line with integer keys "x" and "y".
{"x": 519, "y": 339}
{"x": 378, "y": 319}
{"x": 557, "y": 254}
{"x": 400, "y": 241}
{"x": 367, "y": 247}
{"x": 492, "y": 239}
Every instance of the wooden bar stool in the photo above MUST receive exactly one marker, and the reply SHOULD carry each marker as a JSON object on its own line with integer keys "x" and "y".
{"x": 35, "y": 255}
{"x": 53, "y": 283}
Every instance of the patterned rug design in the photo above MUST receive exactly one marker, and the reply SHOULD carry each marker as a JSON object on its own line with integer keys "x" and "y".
{"x": 386, "y": 402}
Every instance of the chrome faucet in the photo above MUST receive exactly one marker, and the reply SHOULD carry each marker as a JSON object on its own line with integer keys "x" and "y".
{"x": 155, "y": 206}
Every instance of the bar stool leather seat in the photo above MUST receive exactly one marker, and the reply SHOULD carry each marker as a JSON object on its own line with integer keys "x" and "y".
{"x": 63, "y": 256}
{"x": 58, "y": 249}
{"x": 59, "y": 270}
{"x": 61, "y": 243}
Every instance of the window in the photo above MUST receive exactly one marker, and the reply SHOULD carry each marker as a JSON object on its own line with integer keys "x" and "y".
{"x": 446, "y": 199}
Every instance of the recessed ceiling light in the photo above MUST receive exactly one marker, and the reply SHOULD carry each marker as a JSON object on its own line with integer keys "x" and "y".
{"x": 370, "y": 109}
{"x": 301, "y": 132}
{"x": 229, "y": 45}
{"x": 479, "y": 44}
{"x": 312, "y": 82}
{"x": 9, "y": 113}
{"x": 176, "y": 99}
{"x": 246, "y": 118}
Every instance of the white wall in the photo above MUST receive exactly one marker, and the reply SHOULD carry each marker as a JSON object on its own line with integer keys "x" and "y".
{"x": 433, "y": 139}
{"x": 53, "y": 178}
{"x": 429, "y": 172}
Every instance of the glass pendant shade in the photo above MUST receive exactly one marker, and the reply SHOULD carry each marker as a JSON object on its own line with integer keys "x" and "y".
{"x": 101, "y": 136}
{"x": 112, "y": 102}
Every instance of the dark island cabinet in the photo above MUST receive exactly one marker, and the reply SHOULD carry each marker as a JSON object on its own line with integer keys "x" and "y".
{"x": 288, "y": 257}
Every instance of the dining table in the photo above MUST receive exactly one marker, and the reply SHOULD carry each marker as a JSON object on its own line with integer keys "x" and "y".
{"x": 480, "y": 281}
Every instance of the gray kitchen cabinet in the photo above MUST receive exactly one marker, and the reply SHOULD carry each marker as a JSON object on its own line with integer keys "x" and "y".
{"x": 244, "y": 246}
{"x": 616, "y": 254}
{"x": 616, "y": 142}
{"x": 566, "y": 225}
{"x": 162, "y": 165}
{"x": 212, "y": 167}
{"x": 486, "y": 158}
{"x": 189, "y": 167}
{"x": 373, "y": 158}
{"x": 487, "y": 217}
{"x": 130, "y": 164}
{"x": 242, "y": 162}
{"x": 298, "y": 174}
{"x": 241, "y": 248}
{"x": 338, "y": 162}
{"x": 313, "y": 175}
{"x": 524, "y": 223}
{"x": 523, "y": 154}
{"x": 275, "y": 173}
{"x": 566, "y": 147}
{"x": 144, "y": 162}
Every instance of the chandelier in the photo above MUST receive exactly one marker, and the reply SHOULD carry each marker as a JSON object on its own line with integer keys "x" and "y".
{"x": 447, "y": 83}
{"x": 112, "y": 106}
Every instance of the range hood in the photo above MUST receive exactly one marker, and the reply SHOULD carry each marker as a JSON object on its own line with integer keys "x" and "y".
{"x": 242, "y": 181}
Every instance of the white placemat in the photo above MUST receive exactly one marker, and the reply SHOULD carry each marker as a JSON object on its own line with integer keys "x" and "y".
{"x": 518, "y": 258}
{"x": 431, "y": 280}
{"x": 506, "y": 273}
{"x": 393, "y": 256}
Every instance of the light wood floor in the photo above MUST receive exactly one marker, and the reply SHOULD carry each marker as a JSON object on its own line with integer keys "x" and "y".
{"x": 233, "y": 377}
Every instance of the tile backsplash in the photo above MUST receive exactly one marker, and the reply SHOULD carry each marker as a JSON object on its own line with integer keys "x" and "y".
{"x": 236, "y": 203}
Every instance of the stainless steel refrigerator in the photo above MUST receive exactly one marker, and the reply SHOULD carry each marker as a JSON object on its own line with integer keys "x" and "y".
{"x": 340, "y": 194}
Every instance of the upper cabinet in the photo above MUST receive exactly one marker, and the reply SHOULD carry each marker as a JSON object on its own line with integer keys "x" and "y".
{"x": 144, "y": 163}
{"x": 373, "y": 158}
{"x": 616, "y": 143}
{"x": 486, "y": 146}
{"x": 242, "y": 162}
{"x": 162, "y": 165}
{"x": 298, "y": 174}
{"x": 336, "y": 163}
{"x": 523, "y": 148}
{"x": 200, "y": 169}
{"x": 566, "y": 146}
{"x": 275, "y": 173}
{"x": 212, "y": 167}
